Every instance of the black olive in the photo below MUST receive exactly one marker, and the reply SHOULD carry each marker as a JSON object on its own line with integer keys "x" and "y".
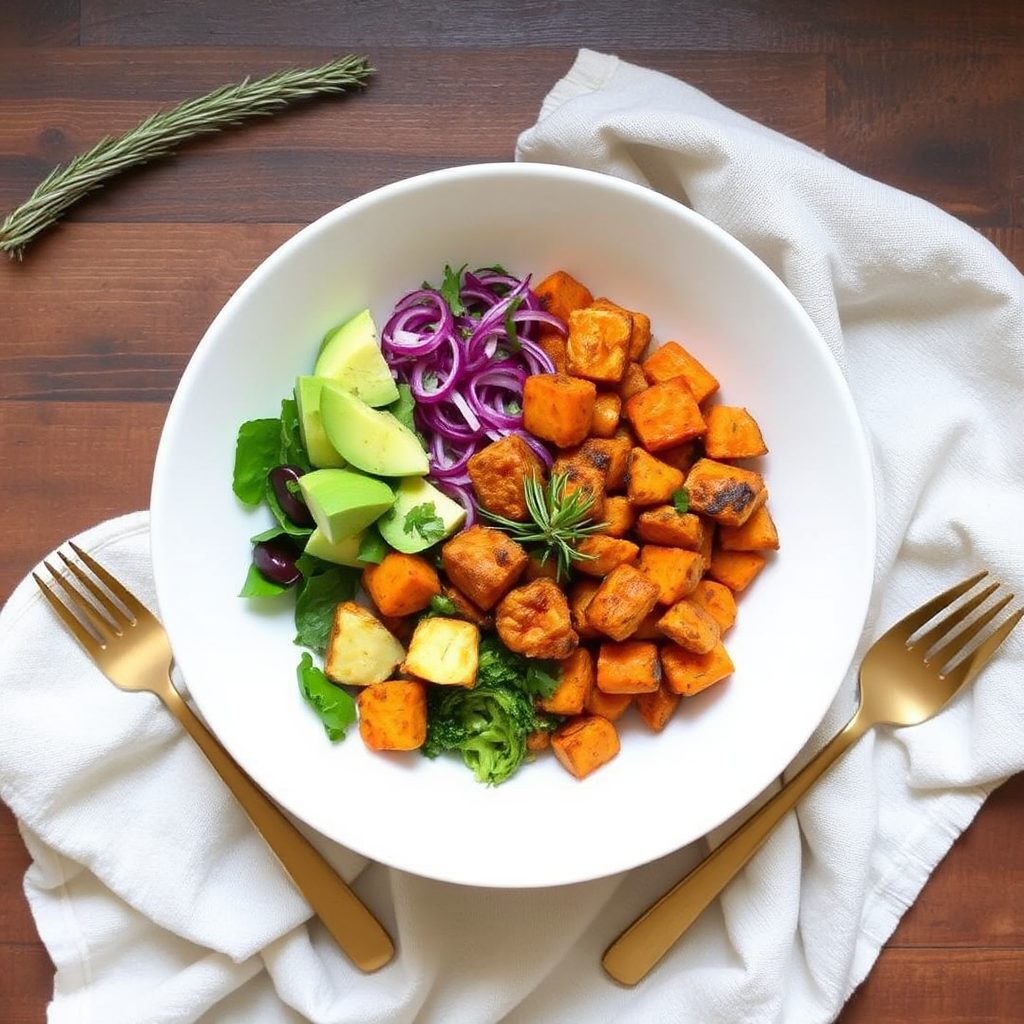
{"x": 288, "y": 498}
{"x": 276, "y": 558}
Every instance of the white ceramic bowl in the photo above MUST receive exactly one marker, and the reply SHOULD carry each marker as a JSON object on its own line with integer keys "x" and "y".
{"x": 798, "y": 624}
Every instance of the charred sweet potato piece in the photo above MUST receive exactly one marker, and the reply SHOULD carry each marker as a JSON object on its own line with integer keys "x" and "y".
{"x": 603, "y": 553}
{"x": 577, "y": 680}
{"x": 607, "y": 412}
{"x": 584, "y": 743}
{"x": 649, "y": 481}
{"x": 483, "y": 563}
{"x": 665, "y": 525}
{"x": 723, "y": 492}
{"x": 393, "y": 715}
{"x": 584, "y": 475}
{"x": 675, "y": 571}
{"x": 497, "y": 473}
{"x": 687, "y": 672}
{"x": 628, "y": 666}
{"x": 690, "y": 626}
{"x": 608, "y": 454}
{"x": 717, "y": 600}
{"x": 597, "y": 347}
{"x": 534, "y": 620}
{"x": 671, "y": 361}
{"x": 640, "y": 336}
{"x": 758, "y": 533}
{"x": 622, "y": 600}
{"x": 560, "y": 293}
{"x": 657, "y": 707}
{"x": 401, "y": 584}
{"x": 665, "y": 415}
{"x": 558, "y": 408}
{"x": 736, "y": 569}
{"x": 732, "y": 433}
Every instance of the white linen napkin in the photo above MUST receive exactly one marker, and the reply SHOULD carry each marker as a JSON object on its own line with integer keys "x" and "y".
{"x": 159, "y": 904}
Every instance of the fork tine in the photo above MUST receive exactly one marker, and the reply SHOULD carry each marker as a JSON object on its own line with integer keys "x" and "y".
{"x": 68, "y": 617}
{"x": 916, "y": 619}
{"x": 972, "y": 665}
{"x": 930, "y": 638}
{"x": 958, "y": 643}
{"x": 112, "y": 609}
{"x": 114, "y": 585}
{"x": 78, "y": 602}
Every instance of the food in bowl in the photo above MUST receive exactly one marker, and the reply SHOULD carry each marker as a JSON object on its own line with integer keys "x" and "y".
{"x": 550, "y": 520}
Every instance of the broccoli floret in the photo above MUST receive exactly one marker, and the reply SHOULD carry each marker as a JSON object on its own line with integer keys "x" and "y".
{"x": 487, "y": 725}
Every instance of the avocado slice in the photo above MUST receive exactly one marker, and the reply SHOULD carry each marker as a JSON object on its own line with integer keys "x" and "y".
{"x": 342, "y": 552}
{"x": 321, "y": 452}
{"x": 372, "y": 440}
{"x": 343, "y": 501}
{"x": 420, "y": 516}
{"x": 350, "y": 355}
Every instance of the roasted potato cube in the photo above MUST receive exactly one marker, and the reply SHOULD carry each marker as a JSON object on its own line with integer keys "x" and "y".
{"x": 483, "y": 563}
{"x": 758, "y": 533}
{"x": 393, "y": 715}
{"x": 585, "y": 743}
{"x": 725, "y": 493}
{"x": 736, "y": 569}
{"x": 657, "y": 707}
{"x": 558, "y": 408}
{"x": 649, "y": 481}
{"x": 597, "y": 347}
{"x": 665, "y": 415}
{"x": 576, "y": 682}
{"x": 360, "y": 649}
{"x": 690, "y": 626}
{"x": 622, "y": 600}
{"x": 732, "y": 433}
{"x": 687, "y": 672}
{"x": 675, "y": 571}
{"x": 640, "y": 335}
{"x": 444, "y": 651}
{"x": 560, "y": 293}
{"x": 628, "y": 666}
{"x": 401, "y": 584}
{"x": 671, "y": 360}
{"x": 665, "y": 525}
{"x": 498, "y": 472}
{"x": 534, "y": 620}
{"x": 717, "y": 600}
{"x": 607, "y": 412}
{"x": 602, "y": 553}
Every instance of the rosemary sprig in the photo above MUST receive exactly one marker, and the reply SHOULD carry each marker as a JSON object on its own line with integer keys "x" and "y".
{"x": 558, "y": 522}
{"x": 158, "y": 134}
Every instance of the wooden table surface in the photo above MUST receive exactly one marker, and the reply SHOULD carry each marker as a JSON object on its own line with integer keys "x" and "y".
{"x": 99, "y": 320}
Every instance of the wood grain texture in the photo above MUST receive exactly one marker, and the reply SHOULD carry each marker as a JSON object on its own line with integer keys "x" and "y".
{"x": 101, "y": 318}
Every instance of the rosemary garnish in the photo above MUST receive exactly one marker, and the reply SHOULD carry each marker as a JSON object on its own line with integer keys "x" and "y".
{"x": 558, "y": 522}
{"x": 158, "y": 134}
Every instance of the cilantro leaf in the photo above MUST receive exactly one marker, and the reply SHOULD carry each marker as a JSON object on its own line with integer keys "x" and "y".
{"x": 334, "y": 705}
{"x": 424, "y": 520}
{"x": 373, "y": 547}
{"x": 451, "y": 289}
{"x": 681, "y": 500}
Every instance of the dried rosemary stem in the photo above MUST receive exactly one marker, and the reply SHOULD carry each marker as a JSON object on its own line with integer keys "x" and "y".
{"x": 160, "y": 133}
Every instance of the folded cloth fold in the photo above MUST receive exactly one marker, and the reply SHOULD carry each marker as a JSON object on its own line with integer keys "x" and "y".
{"x": 157, "y": 900}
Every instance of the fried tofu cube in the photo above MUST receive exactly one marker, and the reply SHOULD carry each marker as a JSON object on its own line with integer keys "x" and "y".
{"x": 671, "y": 360}
{"x": 690, "y": 626}
{"x": 360, "y": 649}
{"x": 723, "y": 492}
{"x": 758, "y": 533}
{"x": 577, "y": 680}
{"x": 657, "y": 707}
{"x": 444, "y": 651}
{"x": 665, "y": 415}
{"x": 625, "y": 596}
{"x": 607, "y": 413}
{"x": 585, "y": 743}
{"x": 483, "y": 563}
{"x": 498, "y": 472}
{"x": 560, "y": 293}
{"x": 628, "y": 666}
{"x": 687, "y": 672}
{"x": 666, "y": 525}
{"x": 393, "y": 715}
{"x": 602, "y": 553}
{"x": 401, "y": 584}
{"x": 597, "y": 347}
{"x": 732, "y": 433}
{"x": 675, "y": 571}
{"x": 640, "y": 336}
{"x": 558, "y": 408}
{"x": 736, "y": 569}
{"x": 534, "y": 620}
{"x": 649, "y": 481}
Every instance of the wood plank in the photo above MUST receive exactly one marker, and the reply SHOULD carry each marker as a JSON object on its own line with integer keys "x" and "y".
{"x": 38, "y": 23}
{"x": 16, "y": 924}
{"x": 26, "y": 982}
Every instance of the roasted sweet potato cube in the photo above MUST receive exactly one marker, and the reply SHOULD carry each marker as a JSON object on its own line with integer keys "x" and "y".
{"x": 640, "y": 336}
{"x": 717, "y": 600}
{"x": 665, "y": 525}
{"x": 533, "y": 620}
{"x": 619, "y": 515}
{"x": 401, "y": 584}
{"x": 649, "y": 481}
{"x": 498, "y": 472}
{"x": 538, "y": 741}
{"x": 558, "y": 408}
{"x": 665, "y": 415}
{"x": 360, "y": 648}
{"x": 687, "y": 672}
{"x": 552, "y": 342}
{"x": 444, "y": 651}
{"x": 577, "y": 680}
{"x": 628, "y": 666}
{"x": 622, "y": 600}
{"x": 723, "y": 492}
{"x": 690, "y": 626}
{"x": 608, "y": 454}
{"x": 465, "y": 609}
{"x": 607, "y": 413}
{"x": 671, "y": 361}
{"x": 584, "y": 743}
{"x": 632, "y": 383}
{"x": 560, "y": 293}
{"x": 483, "y": 563}
{"x": 648, "y": 627}
{"x": 602, "y": 553}
{"x": 582, "y": 474}
{"x": 581, "y": 593}
{"x": 682, "y": 456}
{"x": 675, "y": 571}
{"x": 758, "y": 533}
{"x": 393, "y": 715}
{"x": 608, "y": 705}
{"x": 657, "y": 707}
{"x": 736, "y": 569}
{"x": 732, "y": 433}
{"x": 539, "y": 567}
{"x": 597, "y": 347}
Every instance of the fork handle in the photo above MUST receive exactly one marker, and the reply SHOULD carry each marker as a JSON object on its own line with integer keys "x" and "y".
{"x": 642, "y": 945}
{"x": 359, "y": 934}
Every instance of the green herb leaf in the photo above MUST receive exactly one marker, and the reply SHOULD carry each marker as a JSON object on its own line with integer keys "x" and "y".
{"x": 451, "y": 289}
{"x": 315, "y": 601}
{"x": 373, "y": 547}
{"x": 498, "y": 666}
{"x": 510, "y": 324}
{"x": 681, "y": 500}
{"x": 257, "y": 585}
{"x": 256, "y": 454}
{"x": 424, "y": 520}
{"x": 441, "y": 605}
{"x": 335, "y": 706}
{"x": 292, "y": 451}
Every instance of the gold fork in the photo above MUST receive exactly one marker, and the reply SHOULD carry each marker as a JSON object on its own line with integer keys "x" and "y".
{"x": 130, "y": 646}
{"x": 906, "y": 677}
